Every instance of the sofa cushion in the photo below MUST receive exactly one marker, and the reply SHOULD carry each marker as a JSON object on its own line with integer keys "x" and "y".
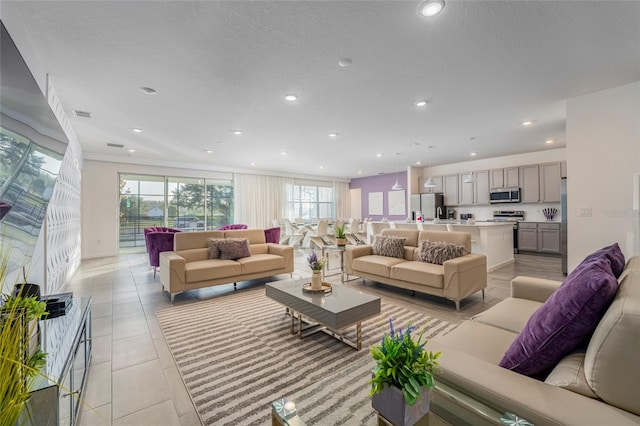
{"x": 569, "y": 374}
{"x": 613, "y": 254}
{"x": 192, "y": 255}
{"x": 611, "y": 361}
{"x": 214, "y": 249}
{"x": 211, "y": 269}
{"x": 234, "y": 248}
{"x": 439, "y": 252}
{"x": 258, "y": 248}
{"x": 510, "y": 314}
{"x": 410, "y": 235}
{"x": 427, "y": 274}
{"x": 568, "y": 317}
{"x": 375, "y": 265}
{"x": 389, "y": 246}
{"x": 481, "y": 340}
{"x": 261, "y": 263}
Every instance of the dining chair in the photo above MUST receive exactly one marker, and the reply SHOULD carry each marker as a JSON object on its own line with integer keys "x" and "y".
{"x": 321, "y": 232}
{"x": 294, "y": 237}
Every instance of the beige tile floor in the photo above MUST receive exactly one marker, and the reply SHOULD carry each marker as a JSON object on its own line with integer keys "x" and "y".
{"x": 133, "y": 379}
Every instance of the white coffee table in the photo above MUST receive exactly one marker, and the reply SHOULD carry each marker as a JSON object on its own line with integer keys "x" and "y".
{"x": 332, "y": 312}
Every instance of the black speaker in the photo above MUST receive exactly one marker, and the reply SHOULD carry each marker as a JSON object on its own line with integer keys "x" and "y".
{"x": 27, "y": 290}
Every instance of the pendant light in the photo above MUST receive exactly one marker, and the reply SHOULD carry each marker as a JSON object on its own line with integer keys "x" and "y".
{"x": 469, "y": 178}
{"x": 396, "y": 186}
{"x": 429, "y": 183}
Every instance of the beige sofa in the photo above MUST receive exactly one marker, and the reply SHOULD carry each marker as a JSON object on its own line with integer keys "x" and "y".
{"x": 454, "y": 280}
{"x": 608, "y": 371}
{"x": 188, "y": 267}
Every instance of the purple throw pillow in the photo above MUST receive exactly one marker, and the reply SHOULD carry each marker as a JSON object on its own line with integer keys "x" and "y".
{"x": 614, "y": 255}
{"x": 570, "y": 315}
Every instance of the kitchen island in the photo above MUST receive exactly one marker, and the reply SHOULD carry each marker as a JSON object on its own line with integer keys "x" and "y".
{"x": 493, "y": 239}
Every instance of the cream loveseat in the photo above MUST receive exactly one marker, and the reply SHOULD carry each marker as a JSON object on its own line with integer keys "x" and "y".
{"x": 596, "y": 384}
{"x": 188, "y": 267}
{"x": 455, "y": 279}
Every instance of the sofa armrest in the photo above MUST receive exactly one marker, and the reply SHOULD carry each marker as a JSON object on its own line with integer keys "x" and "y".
{"x": 284, "y": 251}
{"x": 536, "y": 289}
{"x": 353, "y": 252}
{"x": 173, "y": 271}
{"x": 507, "y": 391}
{"x": 464, "y": 276}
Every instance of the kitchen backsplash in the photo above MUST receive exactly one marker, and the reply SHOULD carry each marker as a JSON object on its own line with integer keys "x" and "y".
{"x": 533, "y": 212}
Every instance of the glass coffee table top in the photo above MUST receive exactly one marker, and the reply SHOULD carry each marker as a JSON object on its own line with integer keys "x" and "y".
{"x": 343, "y": 398}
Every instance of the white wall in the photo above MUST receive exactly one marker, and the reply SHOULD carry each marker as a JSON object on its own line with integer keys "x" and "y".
{"x": 603, "y": 153}
{"x": 100, "y": 201}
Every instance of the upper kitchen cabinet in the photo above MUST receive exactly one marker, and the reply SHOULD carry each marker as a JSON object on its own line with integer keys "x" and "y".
{"x": 451, "y": 190}
{"x": 437, "y": 189}
{"x": 504, "y": 178}
{"x": 550, "y": 175}
{"x": 482, "y": 187}
{"x": 530, "y": 184}
{"x": 467, "y": 189}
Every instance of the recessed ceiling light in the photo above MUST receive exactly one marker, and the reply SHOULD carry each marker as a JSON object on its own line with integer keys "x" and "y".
{"x": 283, "y": 152}
{"x": 209, "y": 151}
{"x": 148, "y": 90}
{"x": 321, "y": 167}
{"x": 359, "y": 172}
{"x": 473, "y": 154}
{"x": 549, "y": 141}
{"x": 291, "y": 97}
{"x": 421, "y": 103}
{"x": 431, "y": 8}
{"x": 418, "y": 162}
{"x": 131, "y": 150}
{"x": 333, "y": 135}
{"x": 472, "y": 138}
{"x": 345, "y": 62}
{"x": 527, "y": 123}
{"x": 136, "y": 130}
{"x": 252, "y": 164}
{"x": 379, "y": 155}
{"x": 237, "y": 132}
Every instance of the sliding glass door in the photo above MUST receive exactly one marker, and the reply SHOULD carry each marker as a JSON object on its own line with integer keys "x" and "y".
{"x": 142, "y": 204}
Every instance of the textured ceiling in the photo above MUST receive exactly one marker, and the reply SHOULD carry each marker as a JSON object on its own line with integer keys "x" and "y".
{"x": 484, "y": 67}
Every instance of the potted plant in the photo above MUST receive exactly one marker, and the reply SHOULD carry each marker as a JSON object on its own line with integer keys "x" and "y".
{"x": 316, "y": 265}
{"x": 402, "y": 376}
{"x": 341, "y": 238}
{"x": 20, "y": 360}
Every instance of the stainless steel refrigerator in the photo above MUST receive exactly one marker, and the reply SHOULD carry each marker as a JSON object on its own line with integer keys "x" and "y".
{"x": 428, "y": 205}
{"x": 563, "y": 225}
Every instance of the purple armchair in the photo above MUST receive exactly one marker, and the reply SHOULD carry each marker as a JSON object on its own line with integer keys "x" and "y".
{"x": 272, "y": 235}
{"x": 158, "y": 239}
{"x": 233, "y": 226}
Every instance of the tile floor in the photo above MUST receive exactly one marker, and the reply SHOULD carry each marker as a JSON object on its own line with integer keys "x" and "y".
{"x": 133, "y": 379}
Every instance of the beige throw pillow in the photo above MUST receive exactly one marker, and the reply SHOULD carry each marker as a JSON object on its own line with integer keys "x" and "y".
{"x": 569, "y": 374}
{"x": 389, "y": 246}
{"x": 438, "y": 252}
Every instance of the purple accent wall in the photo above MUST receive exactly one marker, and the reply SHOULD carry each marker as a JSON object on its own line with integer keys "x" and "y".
{"x": 380, "y": 183}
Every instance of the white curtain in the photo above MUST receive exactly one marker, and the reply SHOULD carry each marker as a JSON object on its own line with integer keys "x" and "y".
{"x": 343, "y": 199}
{"x": 259, "y": 199}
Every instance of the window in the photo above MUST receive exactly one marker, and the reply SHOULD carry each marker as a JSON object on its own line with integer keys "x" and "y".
{"x": 189, "y": 204}
{"x": 310, "y": 202}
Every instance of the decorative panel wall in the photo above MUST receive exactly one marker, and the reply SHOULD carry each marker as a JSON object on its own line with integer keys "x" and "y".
{"x": 63, "y": 214}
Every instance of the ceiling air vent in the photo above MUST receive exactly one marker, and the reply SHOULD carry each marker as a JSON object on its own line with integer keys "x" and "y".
{"x": 82, "y": 114}
{"x": 115, "y": 145}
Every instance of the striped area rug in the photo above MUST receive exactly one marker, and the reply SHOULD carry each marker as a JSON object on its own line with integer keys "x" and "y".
{"x": 236, "y": 357}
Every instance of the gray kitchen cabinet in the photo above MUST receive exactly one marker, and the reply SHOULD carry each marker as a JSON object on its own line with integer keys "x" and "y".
{"x": 530, "y": 184}
{"x": 507, "y": 177}
{"x": 527, "y": 237}
{"x": 549, "y": 237}
{"x": 550, "y": 175}
{"x": 437, "y": 189}
{"x": 451, "y": 190}
{"x": 539, "y": 237}
{"x": 467, "y": 190}
{"x": 482, "y": 187}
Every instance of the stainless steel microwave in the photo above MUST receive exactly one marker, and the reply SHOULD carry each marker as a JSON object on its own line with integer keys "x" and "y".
{"x": 506, "y": 195}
